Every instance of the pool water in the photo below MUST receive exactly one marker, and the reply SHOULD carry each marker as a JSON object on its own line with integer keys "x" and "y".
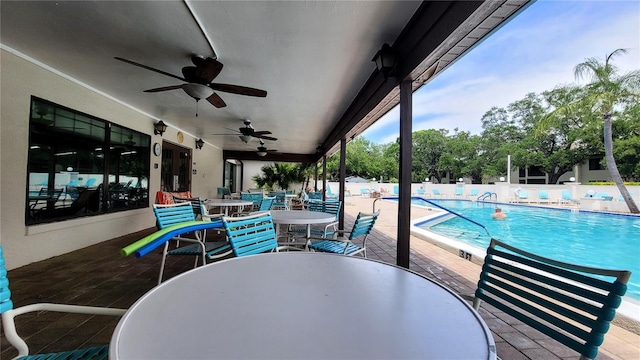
{"x": 584, "y": 238}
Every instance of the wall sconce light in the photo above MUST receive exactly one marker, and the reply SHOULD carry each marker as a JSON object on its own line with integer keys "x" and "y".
{"x": 159, "y": 128}
{"x": 199, "y": 144}
{"x": 385, "y": 60}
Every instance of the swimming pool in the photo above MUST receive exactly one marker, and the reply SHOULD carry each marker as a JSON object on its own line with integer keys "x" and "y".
{"x": 585, "y": 238}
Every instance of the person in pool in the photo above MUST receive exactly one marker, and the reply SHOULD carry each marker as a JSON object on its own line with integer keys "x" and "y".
{"x": 499, "y": 214}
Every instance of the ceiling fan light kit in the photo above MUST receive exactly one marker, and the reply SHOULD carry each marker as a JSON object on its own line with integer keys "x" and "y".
{"x": 245, "y": 138}
{"x": 197, "y": 91}
{"x": 261, "y": 153}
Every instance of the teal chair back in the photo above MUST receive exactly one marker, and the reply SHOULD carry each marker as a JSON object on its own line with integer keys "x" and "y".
{"x": 315, "y": 195}
{"x": 256, "y": 198}
{"x": 171, "y": 214}
{"x": 566, "y": 195}
{"x": 364, "y": 225}
{"x": 552, "y": 296}
{"x": 543, "y": 194}
{"x": 474, "y": 192}
{"x": 266, "y": 203}
{"x": 331, "y": 207}
{"x": 396, "y": 189}
{"x": 459, "y": 191}
{"x": 252, "y": 234}
{"x": 196, "y": 205}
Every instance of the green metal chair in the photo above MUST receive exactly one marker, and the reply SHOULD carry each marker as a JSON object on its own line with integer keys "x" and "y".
{"x": 340, "y": 244}
{"x": 8, "y": 313}
{"x": 570, "y": 303}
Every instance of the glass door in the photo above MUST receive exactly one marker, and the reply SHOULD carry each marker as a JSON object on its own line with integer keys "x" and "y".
{"x": 176, "y": 168}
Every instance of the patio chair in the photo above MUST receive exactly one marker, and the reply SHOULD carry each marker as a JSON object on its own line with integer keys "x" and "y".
{"x": 316, "y": 195}
{"x": 265, "y": 205}
{"x": 473, "y": 192}
{"x": 252, "y": 234}
{"x": 365, "y": 193}
{"x": 256, "y": 198}
{"x": 396, "y": 189}
{"x": 280, "y": 202}
{"x": 522, "y": 196}
{"x": 8, "y": 313}
{"x": 436, "y": 193}
{"x": 200, "y": 212}
{"x": 566, "y": 197}
{"x": 345, "y": 246}
{"x": 420, "y": 191}
{"x": 543, "y": 196}
{"x": 224, "y": 193}
{"x": 459, "y": 192}
{"x": 90, "y": 182}
{"x": 570, "y": 303}
{"x": 329, "y": 206}
{"x": 171, "y": 214}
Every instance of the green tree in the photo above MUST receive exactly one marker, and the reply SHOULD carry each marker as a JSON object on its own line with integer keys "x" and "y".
{"x": 280, "y": 175}
{"x": 606, "y": 90}
{"x": 428, "y": 147}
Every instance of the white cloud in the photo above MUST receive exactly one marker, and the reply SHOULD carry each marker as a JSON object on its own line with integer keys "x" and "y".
{"x": 534, "y": 52}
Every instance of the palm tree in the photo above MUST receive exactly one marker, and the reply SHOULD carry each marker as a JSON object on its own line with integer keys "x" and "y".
{"x": 606, "y": 89}
{"x": 279, "y": 175}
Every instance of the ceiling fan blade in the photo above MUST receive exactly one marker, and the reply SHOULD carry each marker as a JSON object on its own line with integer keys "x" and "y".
{"x": 265, "y": 137}
{"x": 239, "y": 132}
{"x": 256, "y": 133}
{"x": 216, "y": 101}
{"x": 237, "y": 89}
{"x": 165, "y": 88}
{"x": 149, "y": 68}
{"x": 209, "y": 69}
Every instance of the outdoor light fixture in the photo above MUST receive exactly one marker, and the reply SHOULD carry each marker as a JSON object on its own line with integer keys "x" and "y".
{"x": 385, "y": 60}
{"x": 199, "y": 144}
{"x": 502, "y": 178}
{"x": 159, "y": 128}
{"x": 460, "y": 180}
{"x": 572, "y": 179}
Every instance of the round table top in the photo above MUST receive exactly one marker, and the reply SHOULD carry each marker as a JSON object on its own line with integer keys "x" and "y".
{"x": 227, "y": 202}
{"x": 301, "y": 305}
{"x": 301, "y": 217}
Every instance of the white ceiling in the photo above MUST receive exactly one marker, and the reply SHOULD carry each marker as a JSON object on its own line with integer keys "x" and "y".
{"x": 312, "y": 57}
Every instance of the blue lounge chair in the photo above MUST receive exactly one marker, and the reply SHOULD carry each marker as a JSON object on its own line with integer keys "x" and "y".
{"x": 436, "y": 193}
{"x": 420, "y": 191}
{"x": 523, "y": 196}
{"x": 543, "y": 196}
{"x": 459, "y": 192}
{"x": 396, "y": 189}
{"x": 365, "y": 192}
{"x": 566, "y": 197}
{"x": 474, "y": 192}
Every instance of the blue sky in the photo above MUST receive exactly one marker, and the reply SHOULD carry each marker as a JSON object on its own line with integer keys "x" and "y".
{"x": 534, "y": 52}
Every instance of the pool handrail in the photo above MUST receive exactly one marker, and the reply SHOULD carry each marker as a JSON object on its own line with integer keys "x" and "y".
{"x": 487, "y": 194}
{"x": 436, "y": 205}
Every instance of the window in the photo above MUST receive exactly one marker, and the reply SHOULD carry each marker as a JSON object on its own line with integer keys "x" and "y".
{"x": 80, "y": 165}
{"x": 596, "y": 164}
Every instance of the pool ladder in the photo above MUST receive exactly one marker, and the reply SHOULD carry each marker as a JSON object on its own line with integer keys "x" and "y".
{"x": 488, "y": 195}
{"x": 436, "y": 205}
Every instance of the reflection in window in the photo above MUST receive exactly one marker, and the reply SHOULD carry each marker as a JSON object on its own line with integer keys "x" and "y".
{"x": 81, "y": 166}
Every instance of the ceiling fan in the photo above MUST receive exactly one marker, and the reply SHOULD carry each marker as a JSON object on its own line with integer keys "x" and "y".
{"x": 262, "y": 150}
{"x": 199, "y": 79}
{"x": 247, "y": 132}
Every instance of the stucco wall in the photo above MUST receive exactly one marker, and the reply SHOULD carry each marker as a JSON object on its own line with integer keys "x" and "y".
{"x": 25, "y": 244}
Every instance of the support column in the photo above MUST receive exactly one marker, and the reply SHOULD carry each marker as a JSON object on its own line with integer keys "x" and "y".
{"x": 324, "y": 178}
{"x": 404, "y": 196}
{"x": 343, "y": 175}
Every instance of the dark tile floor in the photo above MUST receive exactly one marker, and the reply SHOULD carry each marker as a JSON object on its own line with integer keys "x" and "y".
{"x": 98, "y": 275}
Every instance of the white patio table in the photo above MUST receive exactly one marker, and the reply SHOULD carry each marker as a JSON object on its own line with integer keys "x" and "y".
{"x": 226, "y": 204}
{"x": 299, "y": 217}
{"x": 330, "y": 307}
